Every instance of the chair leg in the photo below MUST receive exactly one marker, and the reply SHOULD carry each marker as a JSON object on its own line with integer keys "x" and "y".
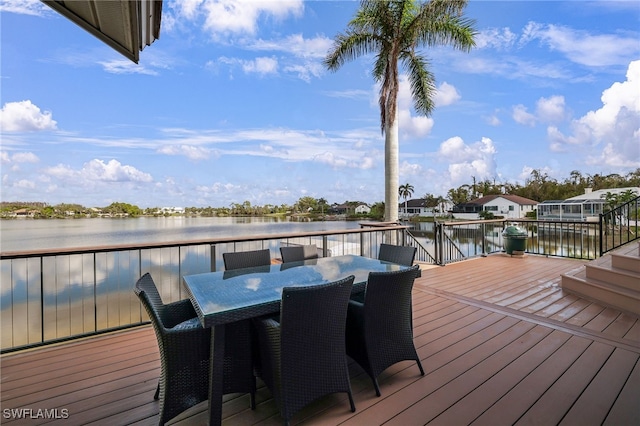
{"x": 420, "y": 367}
{"x": 375, "y": 385}
{"x": 157, "y": 394}
{"x": 252, "y": 397}
{"x": 353, "y": 405}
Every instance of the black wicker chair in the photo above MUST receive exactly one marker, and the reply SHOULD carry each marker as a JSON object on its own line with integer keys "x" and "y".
{"x": 246, "y": 259}
{"x": 234, "y": 262}
{"x": 303, "y": 355}
{"x": 298, "y": 253}
{"x": 380, "y": 330}
{"x": 184, "y": 354}
{"x": 402, "y": 255}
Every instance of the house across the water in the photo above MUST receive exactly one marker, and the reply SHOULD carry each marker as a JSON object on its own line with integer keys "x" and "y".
{"x": 508, "y": 206}
{"x": 584, "y": 207}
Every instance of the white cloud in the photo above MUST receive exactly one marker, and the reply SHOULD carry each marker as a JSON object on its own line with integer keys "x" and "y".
{"x": 306, "y": 70}
{"x": 19, "y": 157}
{"x": 522, "y": 116}
{"x": 495, "y": 38}
{"x": 24, "y": 116}
{"x": 99, "y": 171}
{"x": 24, "y": 7}
{"x": 295, "y": 44}
{"x": 477, "y": 159}
{"x": 262, "y": 66}
{"x": 551, "y": 109}
{"x": 122, "y": 66}
{"x": 189, "y": 151}
{"x": 410, "y": 169}
{"x": 25, "y": 184}
{"x": 548, "y": 110}
{"x": 349, "y": 94}
{"x": 410, "y": 125}
{"x": 413, "y": 126}
{"x": 446, "y": 94}
{"x": 582, "y": 47}
{"x": 616, "y": 125}
{"x": 493, "y": 120}
{"x": 224, "y": 17}
{"x": 25, "y": 157}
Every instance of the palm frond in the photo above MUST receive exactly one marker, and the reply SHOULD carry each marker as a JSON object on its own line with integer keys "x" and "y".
{"x": 422, "y": 82}
{"x": 350, "y": 46}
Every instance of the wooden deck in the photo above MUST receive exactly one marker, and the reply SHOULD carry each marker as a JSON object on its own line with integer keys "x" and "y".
{"x": 500, "y": 342}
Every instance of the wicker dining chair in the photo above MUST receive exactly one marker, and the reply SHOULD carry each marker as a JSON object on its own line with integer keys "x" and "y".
{"x": 303, "y": 355}
{"x": 246, "y": 259}
{"x": 402, "y": 255}
{"x": 245, "y": 338}
{"x": 298, "y": 253}
{"x": 380, "y": 331}
{"x": 185, "y": 347}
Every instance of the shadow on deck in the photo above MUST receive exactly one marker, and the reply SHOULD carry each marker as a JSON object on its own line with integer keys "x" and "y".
{"x": 500, "y": 342}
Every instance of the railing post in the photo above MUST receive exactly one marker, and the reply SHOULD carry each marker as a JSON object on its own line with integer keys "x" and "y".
{"x": 483, "y": 229}
{"x": 213, "y": 257}
{"x": 325, "y": 250}
{"x": 600, "y": 233}
{"x": 438, "y": 243}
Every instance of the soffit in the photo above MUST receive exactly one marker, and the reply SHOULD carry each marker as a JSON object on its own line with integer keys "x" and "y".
{"x": 125, "y": 25}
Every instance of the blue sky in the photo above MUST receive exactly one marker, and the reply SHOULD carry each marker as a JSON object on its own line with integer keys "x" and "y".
{"x": 232, "y": 104}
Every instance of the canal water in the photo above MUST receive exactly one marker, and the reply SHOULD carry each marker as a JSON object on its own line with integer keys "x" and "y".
{"x": 33, "y": 234}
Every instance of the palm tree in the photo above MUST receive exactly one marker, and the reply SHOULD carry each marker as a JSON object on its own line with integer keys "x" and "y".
{"x": 393, "y": 30}
{"x": 405, "y": 191}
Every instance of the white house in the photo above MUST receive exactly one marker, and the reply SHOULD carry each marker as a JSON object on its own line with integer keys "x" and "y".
{"x": 507, "y": 206}
{"x": 418, "y": 207}
{"x": 584, "y": 207}
{"x": 362, "y": 209}
{"x": 171, "y": 210}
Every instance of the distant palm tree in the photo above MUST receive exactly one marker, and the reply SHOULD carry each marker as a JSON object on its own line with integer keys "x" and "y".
{"x": 392, "y": 30}
{"x": 405, "y": 191}
{"x": 322, "y": 203}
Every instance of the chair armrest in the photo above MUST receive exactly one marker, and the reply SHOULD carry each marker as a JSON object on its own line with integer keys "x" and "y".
{"x": 174, "y": 313}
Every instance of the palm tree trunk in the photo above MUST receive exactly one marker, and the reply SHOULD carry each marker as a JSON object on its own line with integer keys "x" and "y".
{"x": 391, "y": 179}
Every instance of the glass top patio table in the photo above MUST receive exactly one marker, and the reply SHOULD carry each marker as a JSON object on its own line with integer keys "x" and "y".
{"x": 228, "y": 296}
{"x": 224, "y": 297}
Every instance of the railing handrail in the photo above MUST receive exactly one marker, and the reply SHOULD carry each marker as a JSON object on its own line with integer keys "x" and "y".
{"x": 218, "y": 240}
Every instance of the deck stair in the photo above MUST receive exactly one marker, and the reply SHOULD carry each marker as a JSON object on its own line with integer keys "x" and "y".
{"x": 613, "y": 279}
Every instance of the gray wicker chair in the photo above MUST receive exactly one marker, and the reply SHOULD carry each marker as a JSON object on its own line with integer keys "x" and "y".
{"x": 402, "y": 255}
{"x": 298, "y": 253}
{"x": 380, "y": 330}
{"x": 303, "y": 355}
{"x": 185, "y": 347}
{"x": 246, "y": 259}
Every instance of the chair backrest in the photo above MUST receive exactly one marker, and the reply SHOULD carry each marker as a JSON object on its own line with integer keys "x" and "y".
{"x": 246, "y": 259}
{"x": 402, "y": 255}
{"x": 387, "y": 303}
{"x": 313, "y": 321}
{"x": 147, "y": 292}
{"x": 298, "y": 253}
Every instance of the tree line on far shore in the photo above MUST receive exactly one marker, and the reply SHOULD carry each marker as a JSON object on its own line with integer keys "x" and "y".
{"x": 539, "y": 187}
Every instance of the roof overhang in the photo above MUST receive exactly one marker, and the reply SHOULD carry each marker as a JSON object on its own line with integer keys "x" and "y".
{"x": 125, "y": 25}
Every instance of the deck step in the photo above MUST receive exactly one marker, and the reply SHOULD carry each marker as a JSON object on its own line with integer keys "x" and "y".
{"x": 604, "y": 292}
{"x": 613, "y": 279}
{"x": 624, "y": 261}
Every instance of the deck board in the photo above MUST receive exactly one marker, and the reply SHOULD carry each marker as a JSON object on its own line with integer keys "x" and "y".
{"x": 499, "y": 340}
